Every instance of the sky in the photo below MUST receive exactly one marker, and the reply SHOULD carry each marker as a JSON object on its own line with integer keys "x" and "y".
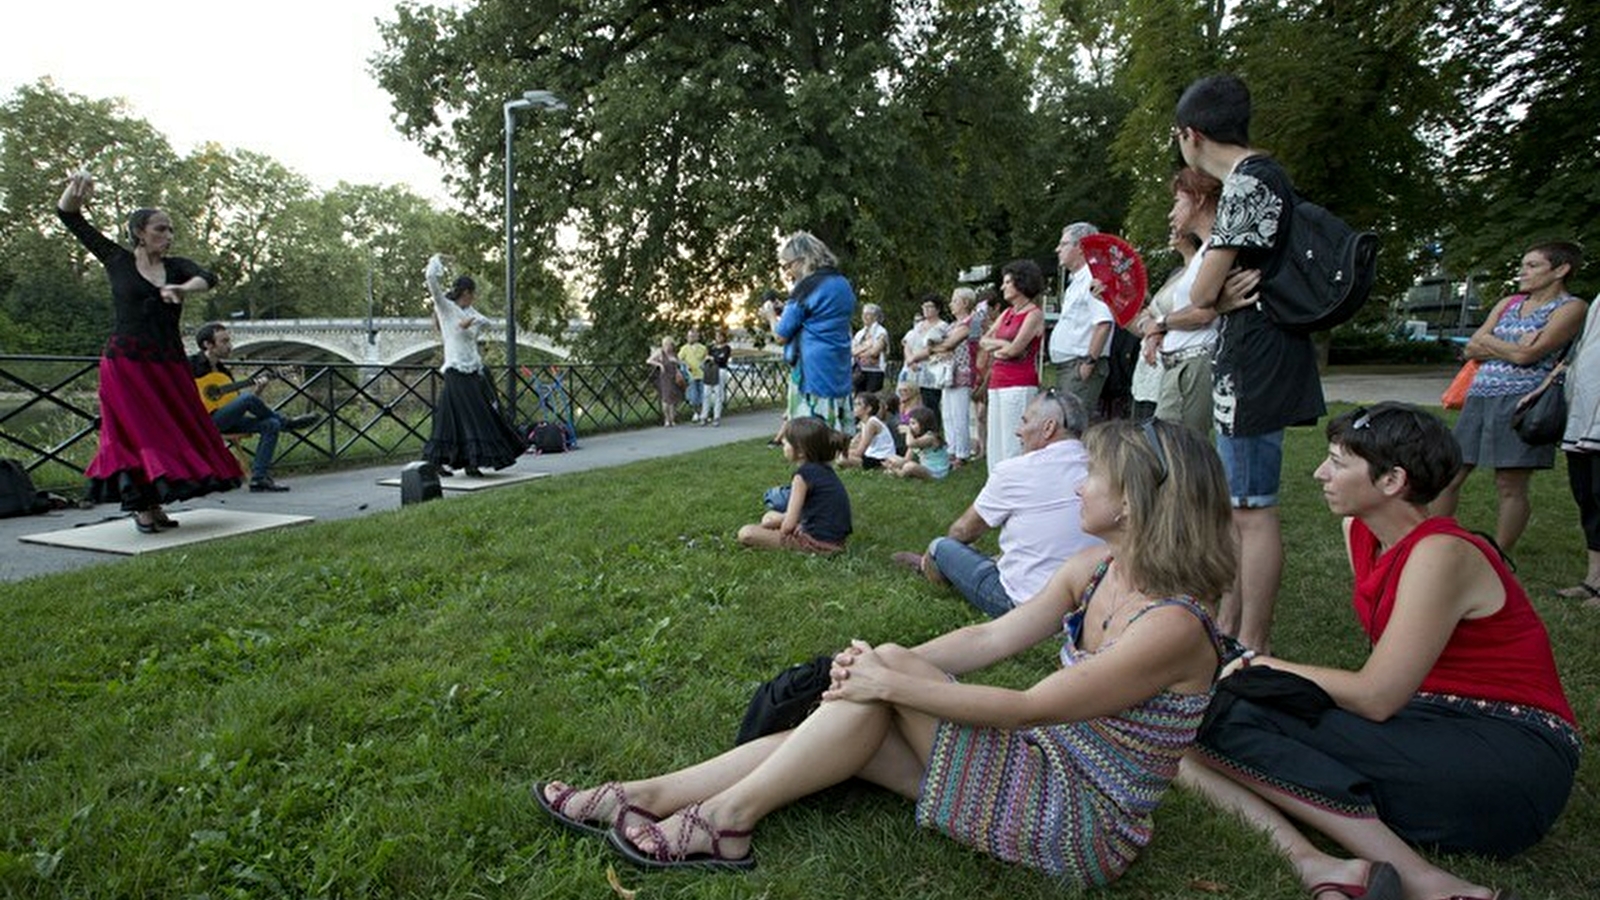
{"x": 288, "y": 79}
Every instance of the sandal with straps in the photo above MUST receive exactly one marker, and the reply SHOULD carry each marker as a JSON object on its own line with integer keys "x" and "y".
{"x": 1382, "y": 883}
{"x": 1583, "y": 590}
{"x": 583, "y": 820}
{"x": 675, "y": 854}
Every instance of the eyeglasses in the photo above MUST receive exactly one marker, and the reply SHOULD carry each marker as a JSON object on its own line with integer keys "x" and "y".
{"x": 1361, "y": 417}
{"x": 1149, "y": 429}
{"x": 1177, "y": 133}
{"x": 1055, "y": 396}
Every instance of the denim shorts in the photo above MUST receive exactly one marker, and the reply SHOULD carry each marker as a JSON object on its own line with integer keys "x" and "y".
{"x": 1254, "y": 466}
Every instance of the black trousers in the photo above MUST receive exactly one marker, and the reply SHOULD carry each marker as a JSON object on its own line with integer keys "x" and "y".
{"x": 1583, "y": 474}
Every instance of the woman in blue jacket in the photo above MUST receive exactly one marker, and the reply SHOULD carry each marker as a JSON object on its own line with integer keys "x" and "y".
{"x": 813, "y": 327}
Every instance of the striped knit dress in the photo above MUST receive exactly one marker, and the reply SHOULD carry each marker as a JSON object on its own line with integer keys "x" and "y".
{"x": 1074, "y": 800}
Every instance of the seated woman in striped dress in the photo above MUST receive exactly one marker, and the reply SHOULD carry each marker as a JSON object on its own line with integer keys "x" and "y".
{"x": 1063, "y": 776}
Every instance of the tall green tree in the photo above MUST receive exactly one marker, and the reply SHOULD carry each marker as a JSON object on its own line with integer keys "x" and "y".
{"x": 699, "y": 133}
{"x": 1355, "y": 97}
{"x": 1529, "y": 162}
{"x": 52, "y": 292}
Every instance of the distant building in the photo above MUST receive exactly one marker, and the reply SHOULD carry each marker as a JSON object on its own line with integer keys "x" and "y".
{"x": 1448, "y": 307}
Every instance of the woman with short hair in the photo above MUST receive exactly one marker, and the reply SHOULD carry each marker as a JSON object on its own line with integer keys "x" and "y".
{"x": 1453, "y": 733}
{"x": 869, "y": 348}
{"x": 813, "y": 327}
{"x": 1013, "y": 344}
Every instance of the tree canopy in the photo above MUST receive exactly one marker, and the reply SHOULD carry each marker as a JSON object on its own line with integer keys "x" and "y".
{"x": 918, "y": 138}
{"x": 922, "y": 137}
{"x": 279, "y": 248}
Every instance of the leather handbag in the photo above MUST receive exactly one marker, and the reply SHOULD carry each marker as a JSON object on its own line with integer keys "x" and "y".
{"x": 1541, "y": 418}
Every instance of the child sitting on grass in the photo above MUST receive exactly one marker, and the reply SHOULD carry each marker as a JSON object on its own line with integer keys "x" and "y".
{"x": 907, "y": 397}
{"x": 873, "y": 444}
{"x": 817, "y": 518}
{"x": 926, "y": 457}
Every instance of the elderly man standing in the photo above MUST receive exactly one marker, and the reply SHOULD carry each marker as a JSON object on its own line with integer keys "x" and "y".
{"x": 1081, "y": 338}
{"x": 1033, "y": 500}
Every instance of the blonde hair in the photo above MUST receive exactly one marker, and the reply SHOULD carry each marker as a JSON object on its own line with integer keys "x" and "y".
{"x": 963, "y": 295}
{"x": 1179, "y": 523}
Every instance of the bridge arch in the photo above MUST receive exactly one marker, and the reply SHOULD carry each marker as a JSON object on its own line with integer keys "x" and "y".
{"x": 386, "y": 341}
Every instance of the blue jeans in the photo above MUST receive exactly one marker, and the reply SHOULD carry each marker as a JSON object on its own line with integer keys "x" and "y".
{"x": 695, "y": 394}
{"x": 973, "y": 575}
{"x": 249, "y": 414}
{"x": 1254, "y": 466}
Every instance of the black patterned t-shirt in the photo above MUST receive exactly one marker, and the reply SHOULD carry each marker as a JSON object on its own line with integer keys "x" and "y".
{"x": 1263, "y": 378}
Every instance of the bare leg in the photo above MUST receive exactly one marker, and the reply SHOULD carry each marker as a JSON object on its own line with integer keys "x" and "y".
{"x": 1368, "y": 839}
{"x": 1260, "y": 570}
{"x": 842, "y": 739}
{"x": 1590, "y": 577}
{"x": 1515, "y": 509}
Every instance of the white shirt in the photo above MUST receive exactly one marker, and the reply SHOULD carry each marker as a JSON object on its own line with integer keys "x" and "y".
{"x": 1173, "y": 341}
{"x": 460, "y": 344}
{"x": 864, "y": 337}
{"x": 1081, "y": 313}
{"x": 882, "y": 446}
{"x": 1033, "y": 500}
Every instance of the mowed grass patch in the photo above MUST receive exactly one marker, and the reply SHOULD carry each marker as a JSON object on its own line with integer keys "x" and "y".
{"x": 358, "y": 708}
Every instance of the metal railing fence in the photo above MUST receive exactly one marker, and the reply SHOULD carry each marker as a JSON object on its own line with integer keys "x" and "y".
{"x": 49, "y": 408}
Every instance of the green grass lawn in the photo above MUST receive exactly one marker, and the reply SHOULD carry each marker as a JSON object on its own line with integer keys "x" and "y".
{"x": 358, "y": 708}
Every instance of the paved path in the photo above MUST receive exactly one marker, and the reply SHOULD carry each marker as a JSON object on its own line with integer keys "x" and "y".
{"x": 356, "y": 492}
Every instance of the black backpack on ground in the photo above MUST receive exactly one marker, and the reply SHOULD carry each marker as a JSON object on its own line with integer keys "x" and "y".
{"x": 18, "y": 497}
{"x": 1324, "y": 274}
{"x": 785, "y": 701}
{"x": 548, "y": 437}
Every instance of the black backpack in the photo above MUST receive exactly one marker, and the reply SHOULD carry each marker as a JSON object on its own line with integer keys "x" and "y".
{"x": 18, "y": 497}
{"x": 1324, "y": 274}
{"x": 786, "y": 700}
{"x": 548, "y": 437}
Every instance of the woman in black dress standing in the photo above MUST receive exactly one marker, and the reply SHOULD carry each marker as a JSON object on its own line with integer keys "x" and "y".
{"x": 157, "y": 444}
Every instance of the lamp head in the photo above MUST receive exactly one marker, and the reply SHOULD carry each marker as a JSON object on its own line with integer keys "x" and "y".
{"x": 544, "y": 100}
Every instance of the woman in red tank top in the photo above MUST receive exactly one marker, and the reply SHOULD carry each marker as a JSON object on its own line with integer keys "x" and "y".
{"x": 1455, "y": 732}
{"x": 1013, "y": 343}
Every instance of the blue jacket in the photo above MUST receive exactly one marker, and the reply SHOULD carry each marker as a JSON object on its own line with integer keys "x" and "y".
{"x": 819, "y": 321}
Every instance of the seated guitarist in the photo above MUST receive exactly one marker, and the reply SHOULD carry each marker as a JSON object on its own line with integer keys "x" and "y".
{"x": 242, "y": 410}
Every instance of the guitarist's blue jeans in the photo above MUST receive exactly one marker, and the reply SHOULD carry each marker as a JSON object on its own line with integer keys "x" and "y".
{"x": 250, "y": 414}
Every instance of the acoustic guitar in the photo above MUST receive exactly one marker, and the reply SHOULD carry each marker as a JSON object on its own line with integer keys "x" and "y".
{"x": 216, "y": 391}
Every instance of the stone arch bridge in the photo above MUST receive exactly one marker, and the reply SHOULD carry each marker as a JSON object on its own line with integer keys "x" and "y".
{"x": 374, "y": 342}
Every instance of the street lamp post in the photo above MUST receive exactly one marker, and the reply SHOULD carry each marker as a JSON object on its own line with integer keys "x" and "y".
{"x": 529, "y": 100}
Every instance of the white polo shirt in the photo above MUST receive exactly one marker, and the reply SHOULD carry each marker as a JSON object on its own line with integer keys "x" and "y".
{"x": 1033, "y": 500}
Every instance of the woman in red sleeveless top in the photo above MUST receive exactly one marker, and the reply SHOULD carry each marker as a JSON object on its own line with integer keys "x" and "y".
{"x": 1455, "y": 733}
{"x": 1013, "y": 343}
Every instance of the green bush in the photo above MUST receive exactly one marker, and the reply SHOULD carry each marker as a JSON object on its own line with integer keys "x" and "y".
{"x": 1380, "y": 346}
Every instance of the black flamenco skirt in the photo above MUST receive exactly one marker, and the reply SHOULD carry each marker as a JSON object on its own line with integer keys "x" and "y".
{"x": 468, "y": 430}
{"x": 157, "y": 443}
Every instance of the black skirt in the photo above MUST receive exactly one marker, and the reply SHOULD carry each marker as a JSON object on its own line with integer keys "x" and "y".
{"x": 468, "y": 430}
{"x": 1448, "y": 772}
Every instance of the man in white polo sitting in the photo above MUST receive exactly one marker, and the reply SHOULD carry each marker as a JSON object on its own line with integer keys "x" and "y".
{"x": 1033, "y": 500}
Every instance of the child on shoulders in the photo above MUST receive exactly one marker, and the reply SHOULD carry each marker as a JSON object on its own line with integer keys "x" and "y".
{"x": 873, "y": 444}
{"x": 817, "y": 519}
{"x": 926, "y": 457}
